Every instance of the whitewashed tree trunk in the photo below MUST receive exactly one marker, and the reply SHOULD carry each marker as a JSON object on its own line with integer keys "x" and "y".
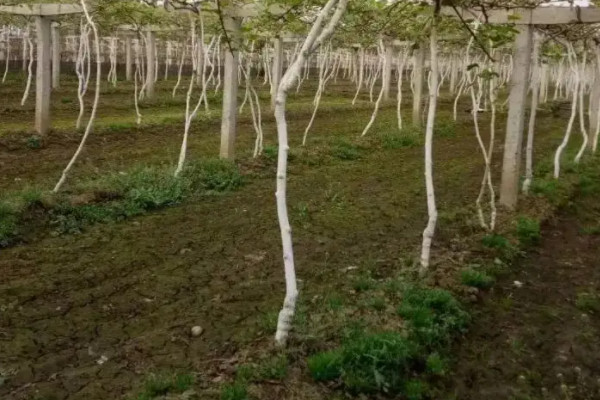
{"x": 29, "y": 68}
{"x": 317, "y": 34}
{"x": 574, "y": 102}
{"x": 429, "y": 231}
{"x": 90, "y": 124}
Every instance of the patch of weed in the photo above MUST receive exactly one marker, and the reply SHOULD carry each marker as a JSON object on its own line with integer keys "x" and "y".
{"x": 325, "y": 366}
{"x": 377, "y": 362}
{"x": 495, "y": 241}
{"x": 274, "y": 368}
{"x": 346, "y": 151}
{"x": 234, "y": 391}
{"x": 434, "y": 316}
{"x": 528, "y": 231}
{"x": 477, "y": 279}
{"x": 398, "y": 140}
{"x": 363, "y": 283}
{"x": 163, "y": 384}
{"x": 445, "y": 128}
{"x": 436, "y": 364}
{"x": 588, "y": 301}
{"x": 34, "y": 142}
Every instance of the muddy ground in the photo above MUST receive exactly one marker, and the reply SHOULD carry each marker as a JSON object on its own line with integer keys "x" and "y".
{"x": 540, "y": 339}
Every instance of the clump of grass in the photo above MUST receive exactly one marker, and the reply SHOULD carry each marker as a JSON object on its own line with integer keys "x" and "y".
{"x": 325, "y": 366}
{"x": 477, "y": 279}
{"x": 214, "y": 175}
{"x": 34, "y": 142}
{"x": 119, "y": 126}
{"x": 434, "y": 316}
{"x": 234, "y": 391}
{"x": 274, "y": 368}
{"x": 415, "y": 389}
{"x": 334, "y": 302}
{"x": 363, "y": 283}
{"x": 398, "y": 140}
{"x": 376, "y": 303}
{"x": 554, "y": 190}
{"x": 163, "y": 384}
{"x": 8, "y": 224}
{"x": 377, "y": 362}
{"x": 588, "y": 301}
{"x": 445, "y": 128}
{"x": 268, "y": 321}
{"x": 270, "y": 152}
{"x": 495, "y": 241}
{"x": 528, "y": 231}
{"x": 436, "y": 364}
{"x": 346, "y": 151}
{"x": 387, "y": 362}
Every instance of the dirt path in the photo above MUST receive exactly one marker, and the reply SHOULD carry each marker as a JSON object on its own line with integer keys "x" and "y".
{"x": 542, "y": 340}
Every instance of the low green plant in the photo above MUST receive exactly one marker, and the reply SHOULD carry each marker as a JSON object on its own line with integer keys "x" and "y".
{"x": 274, "y": 368}
{"x": 363, "y": 283}
{"x": 588, "y": 301}
{"x": 436, "y": 364}
{"x": 434, "y": 316}
{"x": 270, "y": 152}
{"x": 234, "y": 391}
{"x": 528, "y": 231}
{"x": 34, "y": 142}
{"x": 444, "y": 128}
{"x": 334, "y": 302}
{"x": 214, "y": 175}
{"x": 495, "y": 241}
{"x": 162, "y": 384}
{"x": 377, "y": 362}
{"x": 553, "y": 190}
{"x": 325, "y": 366}
{"x": 415, "y": 389}
{"x": 398, "y": 140}
{"x": 376, "y": 303}
{"x": 8, "y": 224}
{"x": 345, "y": 151}
{"x": 477, "y": 279}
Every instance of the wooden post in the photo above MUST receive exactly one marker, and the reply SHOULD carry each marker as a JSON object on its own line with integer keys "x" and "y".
{"x": 509, "y": 187}
{"x": 233, "y": 28}
{"x": 128, "y": 62}
{"x": 419, "y": 66}
{"x": 43, "y": 81}
{"x": 387, "y": 71}
{"x": 277, "y": 69}
{"x": 150, "y": 62}
{"x": 55, "y": 56}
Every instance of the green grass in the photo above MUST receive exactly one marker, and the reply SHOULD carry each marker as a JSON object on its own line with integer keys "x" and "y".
{"x": 495, "y": 241}
{"x": 396, "y": 362}
{"x": 363, "y": 283}
{"x": 121, "y": 195}
{"x": 477, "y": 279}
{"x": 345, "y": 151}
{"x": 234, "y": 391}
{"x": 157, "y": 386}
{"x": 398, "y": 140}
{"x": 274, "y": 368}
{"x": 588, "y": 301}
{"x": 325, "y": 366}
{"x": 434, "y": 316}
{"x": 528, "y": 231}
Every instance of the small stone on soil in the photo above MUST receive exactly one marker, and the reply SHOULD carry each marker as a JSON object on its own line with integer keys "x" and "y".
{"x": 197, "y": 331}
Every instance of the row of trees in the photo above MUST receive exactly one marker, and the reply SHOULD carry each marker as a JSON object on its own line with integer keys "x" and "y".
{"x": 366, "y": 42}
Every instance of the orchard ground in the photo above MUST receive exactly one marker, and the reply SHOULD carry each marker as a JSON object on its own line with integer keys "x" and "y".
{"x": 102, "y": 307}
